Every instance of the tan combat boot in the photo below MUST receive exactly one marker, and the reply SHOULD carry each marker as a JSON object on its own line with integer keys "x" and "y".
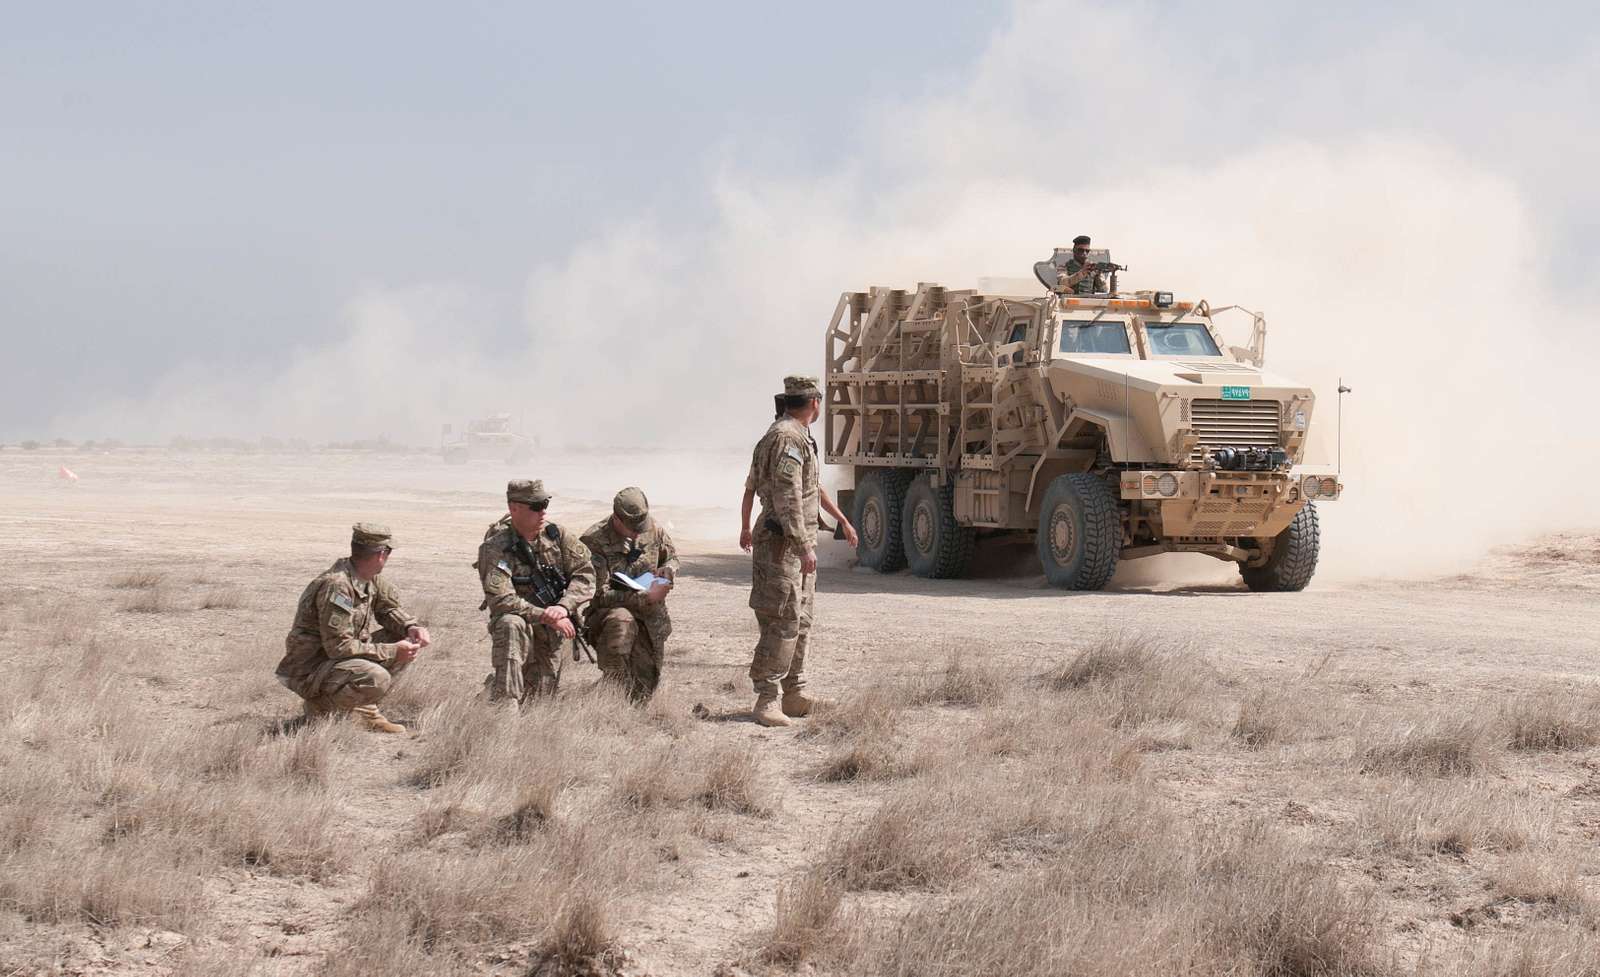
{"x": 372, "y": 719}
{"x": 797, "y": 704}
{"x": 766, "y": 712}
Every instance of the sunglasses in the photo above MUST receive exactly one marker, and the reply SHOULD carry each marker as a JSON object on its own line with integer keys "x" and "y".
{"x": 538, "y": 506}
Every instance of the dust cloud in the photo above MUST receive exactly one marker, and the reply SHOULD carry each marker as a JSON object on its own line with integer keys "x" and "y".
{"x": 1366, "y": 253}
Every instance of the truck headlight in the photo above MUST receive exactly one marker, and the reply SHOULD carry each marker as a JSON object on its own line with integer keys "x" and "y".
{"x": 1167, "y": 485}
{"x": 1330, "y": 487}
{"x": 1162, "y": 300}
{"x": 1311, "y": 486}
{"x": 1149, "y": 485}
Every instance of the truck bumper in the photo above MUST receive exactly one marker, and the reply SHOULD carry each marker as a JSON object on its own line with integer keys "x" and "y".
{"x": 1216, "y": 504}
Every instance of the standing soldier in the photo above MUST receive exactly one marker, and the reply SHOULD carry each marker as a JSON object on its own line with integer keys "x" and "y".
{"x": 333, "y": 658}
{"x": 535, "y": 575}
{"x": 629, "y": 628}
{"x": 783, "y": 568}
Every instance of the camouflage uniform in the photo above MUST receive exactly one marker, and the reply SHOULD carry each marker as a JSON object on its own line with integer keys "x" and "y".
{"x": 1076, "y": 279}
{"x": 783, "y": 474}
{"x": 628, "y": 632}
{"x": 333, "y": 657}
{"x": 526, "y": 654}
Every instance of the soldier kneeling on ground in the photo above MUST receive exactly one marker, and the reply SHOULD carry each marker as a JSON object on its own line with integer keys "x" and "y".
{"x": 334, "y": 660}
{"x": 535, "y": 576}
{"x": 629, "y": 627}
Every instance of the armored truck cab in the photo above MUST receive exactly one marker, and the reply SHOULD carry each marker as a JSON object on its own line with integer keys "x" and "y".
{"x": 1110, "y": 426}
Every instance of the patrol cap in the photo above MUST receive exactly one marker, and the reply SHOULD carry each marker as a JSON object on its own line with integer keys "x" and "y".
{"x": 632, "y": 508}
{"x": 796, "y": 386}
{"x": 1081, "y": 239}
{"x": 371, "y": 535}
{"x": 529, "y": 492}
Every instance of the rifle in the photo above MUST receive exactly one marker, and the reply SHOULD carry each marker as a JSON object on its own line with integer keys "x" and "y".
{"x": 549, "y": 584}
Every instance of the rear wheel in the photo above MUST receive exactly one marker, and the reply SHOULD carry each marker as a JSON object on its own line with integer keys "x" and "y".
{"x": 1293, "y": 558}
{"x": 1080, "y": 532}
{"x": 935, "y": 545}
{"x": 880, "y": 494}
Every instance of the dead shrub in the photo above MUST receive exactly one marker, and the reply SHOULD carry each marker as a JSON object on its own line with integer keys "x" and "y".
{"x": 807, "y": 920}
{"x": 143, "y": 578}
{"x": 1552, "y": 719}
{"x": 1444, "y": 745}
{"x": 454, "y": 733}
{"x": 873, "y": 754}
{"x": 582, "y": 931}
{"x": 118, "y": 886}
{"x": 1073, "y": 748}
{"x": 1455, "y": 819}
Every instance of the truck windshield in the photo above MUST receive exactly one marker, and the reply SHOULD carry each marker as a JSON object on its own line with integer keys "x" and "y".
{"x": 1180, "y": 339}
{"x": 1093, "y": 337}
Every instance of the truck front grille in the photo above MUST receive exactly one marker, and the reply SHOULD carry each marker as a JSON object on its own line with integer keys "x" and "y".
{"x": 1237, "y": 423}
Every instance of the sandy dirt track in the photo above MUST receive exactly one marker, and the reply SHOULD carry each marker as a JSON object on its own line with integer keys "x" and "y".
{"x": 1525, "y": 615}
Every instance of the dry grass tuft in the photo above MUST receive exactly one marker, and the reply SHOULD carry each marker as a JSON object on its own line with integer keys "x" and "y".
{"x": 959, "y": 684}
{"x": 1552, "y": 719}
{"x": 1131, "y": 680}
{"x": 140, "y": 579}
{"x": 1268, "y": 717}
{"x": 1543, "y": 949}
{"x": 1548, "y": 883}
{"x": 807, "y": 921}
{"x": 1443, "y": 745}
{"x": 735, "y": 780}
{"x": 155, "y": 600}
{"x": 229, "y": 598}
{"x": 1454, "y": 819}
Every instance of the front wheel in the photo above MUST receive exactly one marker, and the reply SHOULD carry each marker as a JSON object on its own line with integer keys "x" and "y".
{"x": 935, "y": 545}
{"x": 880, "y": 494}
{"x": 1080, "y": 532}
{"x": 1293, "y": 558}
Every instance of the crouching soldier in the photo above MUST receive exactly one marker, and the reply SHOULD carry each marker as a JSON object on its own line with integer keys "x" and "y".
{"x": 535, "y": 577}
{"x": 627, "y": 626}
{"x": 334, "y": 659}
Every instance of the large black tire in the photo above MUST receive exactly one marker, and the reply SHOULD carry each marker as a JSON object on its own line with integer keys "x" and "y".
{"x": 935, "y": 546}
{"x": 1293, "y": 559}
{"x": 1080, "y": 532}
{"x": 880, "y": 494}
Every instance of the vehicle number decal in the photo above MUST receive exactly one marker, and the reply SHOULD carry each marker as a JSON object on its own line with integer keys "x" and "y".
{"x": 1235, "y": 393}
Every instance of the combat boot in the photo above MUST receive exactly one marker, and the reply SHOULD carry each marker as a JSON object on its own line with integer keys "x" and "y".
{"x": 766, "y": 712}
{"x": 797, "y": 704}
{"x": 373, "y": 720}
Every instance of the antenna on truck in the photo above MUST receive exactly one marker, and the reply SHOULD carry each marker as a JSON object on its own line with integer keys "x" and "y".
{"x": 1339, "y": 429}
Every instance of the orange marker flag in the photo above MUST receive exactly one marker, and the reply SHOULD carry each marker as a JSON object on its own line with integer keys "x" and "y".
{"x": 67, "y": 473}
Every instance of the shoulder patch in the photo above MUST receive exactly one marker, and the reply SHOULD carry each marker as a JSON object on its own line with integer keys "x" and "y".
{"x": 552, "y": 531}
{"x": 793, "y": 451}
{"x": 504, "y": 567}
{"x": 343, "y": 602}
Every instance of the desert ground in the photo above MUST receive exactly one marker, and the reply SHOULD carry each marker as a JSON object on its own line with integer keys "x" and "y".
{"x": 1374, "y": 777}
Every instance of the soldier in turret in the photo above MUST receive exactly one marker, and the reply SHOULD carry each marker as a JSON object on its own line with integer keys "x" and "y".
{"x": 535, "y": 575}
{"x": 1077, "y": 276}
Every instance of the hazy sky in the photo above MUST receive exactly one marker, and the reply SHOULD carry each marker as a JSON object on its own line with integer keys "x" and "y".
{"x": 212, "y": 215}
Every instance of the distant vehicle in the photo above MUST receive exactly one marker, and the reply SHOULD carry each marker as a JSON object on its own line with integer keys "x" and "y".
{"x": 487, "y": 437}
{"x": 1110, "y": 426}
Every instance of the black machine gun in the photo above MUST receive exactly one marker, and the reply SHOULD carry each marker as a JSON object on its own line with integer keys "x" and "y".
{"x": 549, "y": 585}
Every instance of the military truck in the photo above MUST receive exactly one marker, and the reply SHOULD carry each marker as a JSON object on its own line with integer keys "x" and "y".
{"x": 486, "y": 437}
{"x": 1109, "y": 425}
